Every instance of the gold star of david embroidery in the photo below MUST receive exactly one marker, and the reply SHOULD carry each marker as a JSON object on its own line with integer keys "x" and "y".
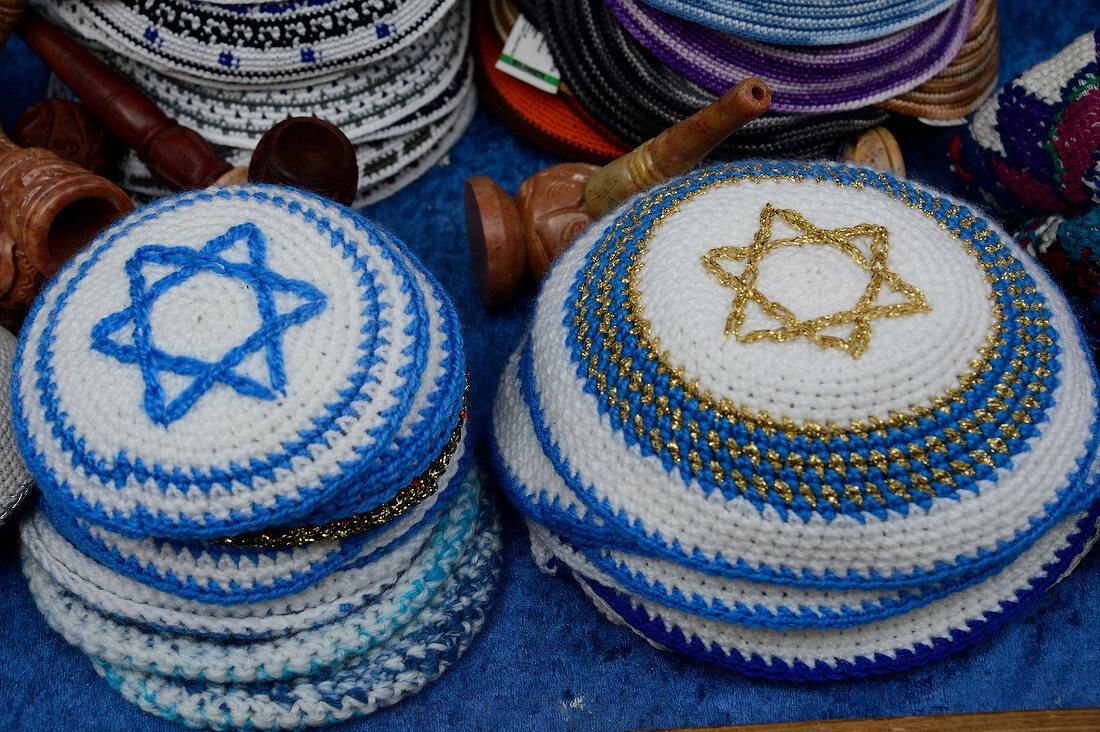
{"x": 859, "y": 316}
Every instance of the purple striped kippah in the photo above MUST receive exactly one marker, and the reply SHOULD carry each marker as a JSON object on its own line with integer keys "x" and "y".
{"x": 802, "y": 78}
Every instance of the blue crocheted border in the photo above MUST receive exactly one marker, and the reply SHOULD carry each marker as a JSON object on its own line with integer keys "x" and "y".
{"x": 599, "y": 356}
{"x": 146, "y": 521}
{"x": 605, "y": 527}
{"x": 775, "y": 668}
{"x": 410, "y": 455}
{"x": 342, "y": 557}
{"x": 424, "y": 648}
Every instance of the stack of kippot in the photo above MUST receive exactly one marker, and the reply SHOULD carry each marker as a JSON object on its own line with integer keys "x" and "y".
{"x": 803, "y": 421}
{"x": 966, "y": 82}
{"x": 637, "y": 67}
{"x": 1033, "y": 150}
{"x": 394, "y": 76}
{"x": 15, "y": 481}
{"x": 245, "y": 411}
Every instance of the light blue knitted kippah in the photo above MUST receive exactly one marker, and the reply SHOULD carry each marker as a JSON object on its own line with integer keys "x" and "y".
{"x": 809, "y": 23}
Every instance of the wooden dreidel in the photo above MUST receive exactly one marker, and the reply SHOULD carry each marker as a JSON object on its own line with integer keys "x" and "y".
{"x": 175, "y": 154}
{"x": 307, "y": 153}
{"x": 50, "y": 209}
{"x": 555, "y": 204}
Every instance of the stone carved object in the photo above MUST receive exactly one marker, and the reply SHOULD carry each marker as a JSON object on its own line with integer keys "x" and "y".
{"x": 877, "y": 148}
{"x": 176, "y": 154}
{"x": 67, "y": 129}
{"x": 50, "y": 208}
{"x": 307, "y": 153}
{"x": 556, "y": 203}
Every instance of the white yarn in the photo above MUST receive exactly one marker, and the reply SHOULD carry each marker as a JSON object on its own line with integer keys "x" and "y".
{"x": 329, "y": 591}
{"x": 362, "y": 102}
{"x": 345, "y": 37}
{"x": 15, "y": 481}
{"x": 887, "y": 637}
{"x": 109, "y": 415}
{"x": 642, "y": 489}
{"x": 126, "y": 646}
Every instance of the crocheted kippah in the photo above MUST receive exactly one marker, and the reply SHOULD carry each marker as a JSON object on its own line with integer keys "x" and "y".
{"x": 272, "y": 44}
{"x": 802, "y": 420}
{"x": 635, "y": 95}
{"x": 1034, "y": 148}
{"x": 198, "y": 376}
{"x": 373, "y": 644}
{"x": 15, "y": 481}
{"x": 246, "y": 409}
{"x": 388, "y": 160}
{"x": 802, "y": 79}
{"x": 810, "y": 23}
{"x": 363, "y": 102}
{"x": 966, "y": 82}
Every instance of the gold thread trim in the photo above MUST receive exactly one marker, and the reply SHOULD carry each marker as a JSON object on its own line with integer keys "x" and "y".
{"x": 859, "y": 317}
{"x": 419, "y": 489}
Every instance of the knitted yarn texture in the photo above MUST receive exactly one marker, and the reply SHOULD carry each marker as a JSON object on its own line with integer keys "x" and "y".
{"x": 804, "y": 417}
{"x": 15, "y": 481}
{"x": 261, "y": 510}
{"x": 1033, "y": 149}
{"x": 635, "y": 95}
{"x": 810, "y": 23}
{"x": 802, "y": 78}
{"x": 395, "y": 77}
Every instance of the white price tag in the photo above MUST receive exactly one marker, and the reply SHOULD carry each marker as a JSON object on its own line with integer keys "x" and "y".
{"x": 527, "y": 57}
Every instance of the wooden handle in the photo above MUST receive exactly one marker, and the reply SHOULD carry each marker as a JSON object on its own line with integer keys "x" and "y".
{"x": 1034, "y": 720}
{"x": 678, "y": 149}
{"x": 177, "y": 155}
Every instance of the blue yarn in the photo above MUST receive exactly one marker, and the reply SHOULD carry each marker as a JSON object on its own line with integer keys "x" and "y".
{"x": 152, "y": 360}
{"x": 343, "y": 557}
{"x": 144, "y": 522}
{"x": 805, "y": 23}
{"x": 776, "y": 668}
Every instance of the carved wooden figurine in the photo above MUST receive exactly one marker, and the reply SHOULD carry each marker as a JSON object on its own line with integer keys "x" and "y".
{"x": 49, "y": 209}
{"x": 557, "y": 203}
{"x": 67, "y": 129}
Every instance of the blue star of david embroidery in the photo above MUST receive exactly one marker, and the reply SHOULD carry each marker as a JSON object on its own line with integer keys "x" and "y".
{"x": 186, "y": 263}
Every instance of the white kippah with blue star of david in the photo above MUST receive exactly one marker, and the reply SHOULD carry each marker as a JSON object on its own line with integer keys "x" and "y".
{"x": 268, "y": 362}
{"x": 246, "y": 410}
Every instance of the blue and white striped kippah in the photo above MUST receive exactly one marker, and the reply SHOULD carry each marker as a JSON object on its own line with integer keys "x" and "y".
{"x": 799, "y": 398}
{"x": 246, "y": 410}
{"x": 191, "y": 374}
{"x": 808, "y": 23}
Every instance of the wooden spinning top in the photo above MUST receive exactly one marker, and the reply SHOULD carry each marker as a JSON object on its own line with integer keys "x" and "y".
{"x": 307, "y": 153}
{"x": 557, "y": 203}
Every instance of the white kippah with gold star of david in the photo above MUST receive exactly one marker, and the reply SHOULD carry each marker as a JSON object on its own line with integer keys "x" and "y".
{"x": 795, "y": 412}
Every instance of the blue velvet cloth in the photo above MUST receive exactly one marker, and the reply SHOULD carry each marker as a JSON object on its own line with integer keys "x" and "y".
{"x": 546, "y": 659}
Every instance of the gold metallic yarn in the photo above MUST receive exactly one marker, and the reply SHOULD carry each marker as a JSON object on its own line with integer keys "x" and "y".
{"x": 859, "y": 317}
{"x": 421, "y": 488}
{"x": 857, "y": 491}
